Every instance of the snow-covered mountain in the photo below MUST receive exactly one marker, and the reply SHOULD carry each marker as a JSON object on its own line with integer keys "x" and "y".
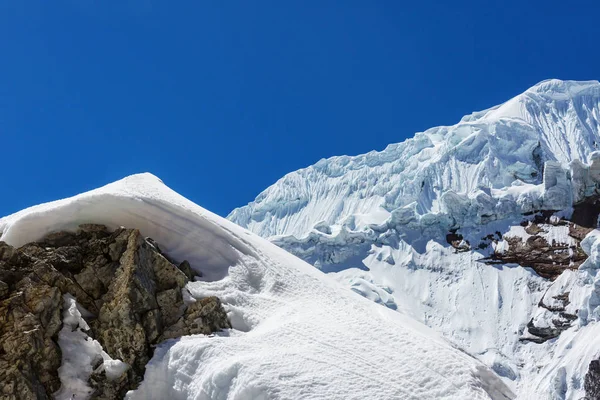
{"x": 486, "y": 154}
{"x": 474, "y": 229}
{"x": 296, "y": 333}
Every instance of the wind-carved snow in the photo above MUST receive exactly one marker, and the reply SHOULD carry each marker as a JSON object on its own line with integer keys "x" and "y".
{"x": 296, "y": 332}
{"x": 378, "y": 222}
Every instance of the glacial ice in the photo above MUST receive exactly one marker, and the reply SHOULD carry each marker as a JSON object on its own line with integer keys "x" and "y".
{"x": 490, "y": 165}
{"x": 537, "y": 151}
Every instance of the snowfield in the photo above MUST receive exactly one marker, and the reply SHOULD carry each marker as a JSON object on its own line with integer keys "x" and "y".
{"x": 378, "y": 224}
{"x": 403, "y": 235}
{"x": 297, "y": 334}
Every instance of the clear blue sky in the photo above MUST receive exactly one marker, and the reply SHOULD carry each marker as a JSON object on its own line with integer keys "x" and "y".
{"x": 221, "y": 98}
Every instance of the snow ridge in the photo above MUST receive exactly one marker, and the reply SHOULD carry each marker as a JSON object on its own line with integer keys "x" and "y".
{"x": 296, "y": 332}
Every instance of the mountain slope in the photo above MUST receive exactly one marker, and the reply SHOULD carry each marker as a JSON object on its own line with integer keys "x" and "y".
{"x": 474, "y": 229}
{"x": 488, "y": 150}
{"x": 296, "y": 332}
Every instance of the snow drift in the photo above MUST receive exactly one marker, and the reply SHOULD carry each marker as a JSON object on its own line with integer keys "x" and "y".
{"x": 296, "y": 332}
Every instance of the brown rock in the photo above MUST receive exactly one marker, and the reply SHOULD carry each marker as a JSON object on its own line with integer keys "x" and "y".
{"x": 205, "y": 316}
{"x": 548, "y": 260}
{"x": 132, "y": 289}
{"x": 186, "y": 268}
{"x": 171, "y": 305}
{"x": 30, "y": 358}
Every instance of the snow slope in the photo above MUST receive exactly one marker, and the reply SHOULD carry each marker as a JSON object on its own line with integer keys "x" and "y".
{"x": 296, "y": 332}
{"x": 378, "y": 222}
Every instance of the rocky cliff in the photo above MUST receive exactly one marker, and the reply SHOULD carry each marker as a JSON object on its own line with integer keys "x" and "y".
{"x": 81, "y": 312}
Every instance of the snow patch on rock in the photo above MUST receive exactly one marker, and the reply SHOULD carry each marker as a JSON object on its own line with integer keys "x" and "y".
{"x": 80, "y": 353}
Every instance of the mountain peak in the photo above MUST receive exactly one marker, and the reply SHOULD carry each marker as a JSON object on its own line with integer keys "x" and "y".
{"x": 552, "y": 86}
{"x": 444, "y": 226}
{"x": 553, "y": 121}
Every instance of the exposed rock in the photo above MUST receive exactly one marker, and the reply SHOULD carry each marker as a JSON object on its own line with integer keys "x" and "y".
{"x": 133, "y": 291}
{"x": 204, "y": 316}
{"x": 545, "y": 333}
{"x": 170, "y": 305}
{"x": 186, "y": 268}
{"x": 592, "y": 381}
{"x": 548, "y": 260}
{"x": 29, "y": 322}
{"x": 560, "y": 320}
{"x": 586, "y": 213}
{"x": 457, "y": 241}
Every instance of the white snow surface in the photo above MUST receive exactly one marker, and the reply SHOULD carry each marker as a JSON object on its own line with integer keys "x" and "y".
{"x": 378, "y": 223}
{"x": 296, "y": 332}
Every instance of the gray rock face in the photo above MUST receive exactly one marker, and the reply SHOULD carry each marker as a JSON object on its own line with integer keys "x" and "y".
{"x": 592, "y": 381}
{"x": 560, "y": 322}
{"x": 29, "y": 322}
{"x": 124, "y": 280}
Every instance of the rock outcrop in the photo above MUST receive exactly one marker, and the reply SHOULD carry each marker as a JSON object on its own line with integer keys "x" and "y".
{"x": 133, "y": 293}
{"x": 592, "y": 381}
{"x": 30, "y": 318}
{"x": 560, "y": 321}
{"x": 549, "y": 245}
{"x": 548, "y": 258}
{"x": 457, "y": 241}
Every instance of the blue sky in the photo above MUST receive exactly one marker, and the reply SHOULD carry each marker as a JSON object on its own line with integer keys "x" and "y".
{"x": 221, "y": 98}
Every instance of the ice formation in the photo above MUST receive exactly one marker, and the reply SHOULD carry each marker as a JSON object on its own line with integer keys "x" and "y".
{"x": 488, "y": 166}
{"x": 379, "y": 223}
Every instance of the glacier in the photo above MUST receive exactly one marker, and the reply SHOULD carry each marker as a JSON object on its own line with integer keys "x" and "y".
{"x": 486, "y": 161}
{"x": 378, "y": 223}
{"x": 296, "y": 332}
